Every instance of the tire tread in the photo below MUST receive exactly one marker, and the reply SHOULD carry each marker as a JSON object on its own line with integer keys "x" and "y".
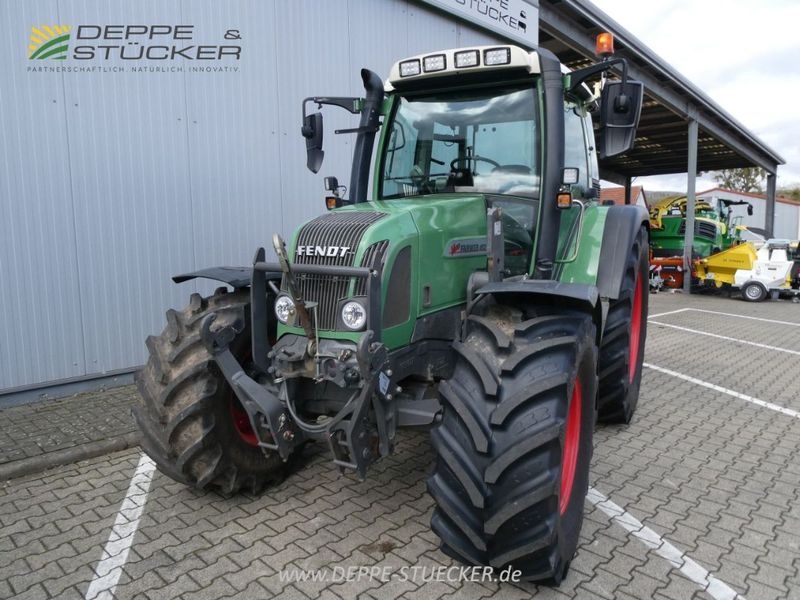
{"x": 501, "y": 399}
{"x": 181, "y": 394}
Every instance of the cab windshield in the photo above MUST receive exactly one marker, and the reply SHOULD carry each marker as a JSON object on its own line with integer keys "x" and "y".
{"x": 468, "y": 141}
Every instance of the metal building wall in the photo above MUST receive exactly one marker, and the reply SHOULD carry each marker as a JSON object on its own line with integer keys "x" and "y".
{"x": 787, "y": 217}
{"x": 787, "y": 221}
{"x": 111, "y": 183}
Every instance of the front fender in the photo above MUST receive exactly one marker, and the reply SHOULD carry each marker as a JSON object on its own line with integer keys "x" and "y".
{"x": 576, "y": 296}
{"x": 236, "y": 277}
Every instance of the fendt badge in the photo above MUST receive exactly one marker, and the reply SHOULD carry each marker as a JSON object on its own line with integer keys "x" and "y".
{"x": 331, "y": 251}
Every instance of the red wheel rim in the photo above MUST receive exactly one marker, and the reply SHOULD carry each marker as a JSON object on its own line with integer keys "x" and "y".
{"x": 572, "y": 439}
{"x": 636, "y": 329}
{"x": 241, "y": 422}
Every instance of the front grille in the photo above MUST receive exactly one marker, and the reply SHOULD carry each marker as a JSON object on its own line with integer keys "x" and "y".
{"x": 342, "y": 229}
{"x": 701, "y": 228}
{"x": 707, "y": 230}
{"x": 373, "y": 259}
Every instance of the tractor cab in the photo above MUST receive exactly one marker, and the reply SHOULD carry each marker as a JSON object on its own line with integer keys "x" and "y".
{"x": 509, "y": 126}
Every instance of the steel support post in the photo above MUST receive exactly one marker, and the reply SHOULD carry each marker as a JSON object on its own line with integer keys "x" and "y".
{"x": 688, "y": 239}
{"x": 769, "y": 219}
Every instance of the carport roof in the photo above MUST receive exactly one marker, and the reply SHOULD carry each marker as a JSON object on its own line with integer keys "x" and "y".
{"x": 568, "y": 28}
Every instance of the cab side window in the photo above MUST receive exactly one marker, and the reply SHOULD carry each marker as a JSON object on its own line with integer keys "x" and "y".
{"x": 512, "y": 143}
{"x": 575, "y": 148}
{"x": 402, "y": 137}
{"x": 594, "y": 171}
{"x": 447, "y": 143}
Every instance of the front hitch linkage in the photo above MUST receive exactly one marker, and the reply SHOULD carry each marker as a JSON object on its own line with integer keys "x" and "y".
{"x": 355, "y": 445}
{"x": 272, "y": 426}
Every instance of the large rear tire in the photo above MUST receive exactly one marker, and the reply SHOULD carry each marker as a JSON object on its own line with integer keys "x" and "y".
{"x": 622, "y": 346}
{"x": 515, "y": 442}
{"x": 192, "y": 425}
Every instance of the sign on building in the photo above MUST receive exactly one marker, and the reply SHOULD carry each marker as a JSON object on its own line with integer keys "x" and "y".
{"x": 517, "y": 20}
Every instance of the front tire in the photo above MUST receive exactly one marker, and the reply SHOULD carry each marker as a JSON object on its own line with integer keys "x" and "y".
{"x": 190, "y": 420}
{"x": 622, "y": 346}
{"x": 515, "y": 442}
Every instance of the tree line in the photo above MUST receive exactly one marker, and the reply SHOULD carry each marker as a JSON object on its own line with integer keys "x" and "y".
{"x": 751, "y": 180}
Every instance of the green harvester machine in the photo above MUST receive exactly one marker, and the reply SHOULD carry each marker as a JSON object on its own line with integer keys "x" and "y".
{"x": 716, "y": 227}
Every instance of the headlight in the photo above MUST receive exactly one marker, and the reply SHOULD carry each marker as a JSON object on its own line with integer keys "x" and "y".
{"x": 284, "y": 308}
{"x": 353, "y": 315}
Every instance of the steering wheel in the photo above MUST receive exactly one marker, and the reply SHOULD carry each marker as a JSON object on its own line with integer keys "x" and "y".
{"x": 474, "y": 158}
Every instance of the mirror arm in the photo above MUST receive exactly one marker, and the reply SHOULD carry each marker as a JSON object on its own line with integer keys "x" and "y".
{"x": 352, "y": 105}
{"x": 367, "y": 129}
{"x": 576, "y": 78}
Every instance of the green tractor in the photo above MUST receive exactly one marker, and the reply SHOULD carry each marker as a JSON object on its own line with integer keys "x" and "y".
{"x": 483, "y": 292}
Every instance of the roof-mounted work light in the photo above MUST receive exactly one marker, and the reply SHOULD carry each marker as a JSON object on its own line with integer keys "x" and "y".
{"x": 467, "y": 58}
{"x": 409, "y": 68}
{"x": 496, "y": 56}
{"x": 434, "y": 62}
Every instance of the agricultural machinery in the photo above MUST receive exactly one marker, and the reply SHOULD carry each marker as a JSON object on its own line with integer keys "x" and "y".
{"x": 480, "y": 290}
{"x": 716, "y": 228}
{"x": 772, "y": 270}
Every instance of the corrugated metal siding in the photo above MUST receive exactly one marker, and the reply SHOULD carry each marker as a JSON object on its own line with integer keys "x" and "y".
{"x": 111, "y": 183}
{"x": 787, "y": 221}
{"x": 41, "y": 333}
{"x": 787, "y": 216}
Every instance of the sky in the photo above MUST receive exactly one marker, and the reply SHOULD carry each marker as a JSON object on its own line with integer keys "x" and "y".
{"x": 743, "y": 54}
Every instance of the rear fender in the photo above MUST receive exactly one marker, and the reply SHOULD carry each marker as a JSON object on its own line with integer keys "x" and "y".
{"x": 621, "y": 228}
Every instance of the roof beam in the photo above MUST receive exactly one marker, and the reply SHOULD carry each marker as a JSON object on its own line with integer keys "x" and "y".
{"x": 659, "y": 81}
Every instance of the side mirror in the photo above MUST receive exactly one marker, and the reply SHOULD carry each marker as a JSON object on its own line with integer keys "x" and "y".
{"x": 750, "y": 210}
{"x": 312, "y": 131}
{"x": 620, "y": 107}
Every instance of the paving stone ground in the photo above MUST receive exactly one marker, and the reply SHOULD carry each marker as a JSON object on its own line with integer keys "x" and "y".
{"x": 35, "y": 429}
{"x": 717, "y": 477}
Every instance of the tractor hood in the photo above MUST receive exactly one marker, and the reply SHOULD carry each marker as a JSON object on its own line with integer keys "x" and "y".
{"x": 425, "y": 248}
